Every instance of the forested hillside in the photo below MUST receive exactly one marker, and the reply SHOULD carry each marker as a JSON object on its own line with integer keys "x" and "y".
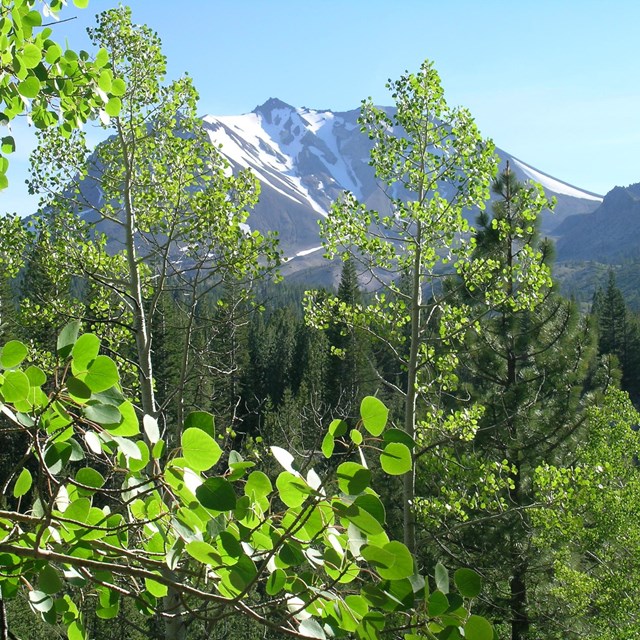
{"x": 439, "y": 446}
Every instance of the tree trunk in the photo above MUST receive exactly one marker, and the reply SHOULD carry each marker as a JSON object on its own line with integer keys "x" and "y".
{"x": 409, "y": 489}
{"x": 518, "y": 581}
{"x": 175, "y": 624}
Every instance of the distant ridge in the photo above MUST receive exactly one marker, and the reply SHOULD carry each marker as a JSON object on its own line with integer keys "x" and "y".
{"x": 610, "y": 234}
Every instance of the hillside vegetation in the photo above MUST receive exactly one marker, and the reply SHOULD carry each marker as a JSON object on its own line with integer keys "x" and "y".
{"x": 440, "y": 446}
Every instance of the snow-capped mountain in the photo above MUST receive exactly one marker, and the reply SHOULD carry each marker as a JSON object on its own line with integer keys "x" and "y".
{"x": 305, "y": 158}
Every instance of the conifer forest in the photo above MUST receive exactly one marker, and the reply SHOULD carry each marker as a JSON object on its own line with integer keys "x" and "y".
{"x": 439, "y": 445}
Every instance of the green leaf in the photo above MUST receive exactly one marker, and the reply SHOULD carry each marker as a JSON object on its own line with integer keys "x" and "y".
{"x": 118, "y": 87}
{"x": 374, "y": 415}
{"x": 392, "y": 562}
{"x": 237, "y": 470}
{"x": 468, "y": 582}
{"x": 356, "y": 437}
{"x": 78, "y": 389}
{"x": 8, "y": 144}
{"x": 328, "y": 445}
{"x": 353, "y": 478}
{"x": 102, "y": 58}
{"x": 438, "y": 603}
{"x": 23, "y": 483}
{"x": 113, "y": 107}
{"x": 128, "y": 425}
{"x": 217, "y": 494}
{"x": 403, "y": 562}
{"x": 53, "y": 54}
{"x": 377, "y": 556}
{"x": 102, "y": 374}
{"x": 398, "y": 435}
{"x": 401, "y": 593}
{"x": 235, "y": 581}
{"x": 199, "y": 449}
{"x": 81, "y": 4}
{"x": 338, "y": 428}
{"x": 67, "y": 338}
{"x": 76, "y": 630}
{"x": 84, "y": 351}
{"x": 105, "y": 80}
{"x": 78, "y": 510}
{"x": 276, "y": 582}
{"x": 477, "y": 628}
{"x": 137, "y": 464}
{"x": 201, "y": 420}
{"x": 360, "y": 518}
{"x": 90, "y": 477}
{"x": 102, "y": 414}
{"x": 370, "y": 626}
{"x": 32, "y": 18}
{"x": 293, "y": 489}
{"x": 36, "y": 376}
{"x": 372, "y": 504}
{"x": 156, "y": 589}
{"x": 229, "y": 547}
{"x": 258, "y": 487}
{"x": 395, "y": 459}
{"x": 203, "y": 552}
{"x": 30, "y": 87}
{"x": 31, "y": 55}
{"x": 13, "y": 353}
{"x": 15, "y": 387}
{"x": 158, "y": 449}
{"x": 49, "y": 581}
{"x": 442, "y": 578}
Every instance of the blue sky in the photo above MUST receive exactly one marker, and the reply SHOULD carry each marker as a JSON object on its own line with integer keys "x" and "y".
{"x": 555, "y": 83}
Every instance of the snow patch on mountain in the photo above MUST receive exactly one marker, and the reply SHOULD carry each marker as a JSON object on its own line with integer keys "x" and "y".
{"x": 253, "y": 143}
{"x": 306, "y": 158}
{"x": 302, "y": 254}
{"x": 323, "y": 125}
{"x": 295, "y": 151}
{"x": 247, "y": 142}
{"x": 307, "y": 252}
{"x": 555, "y": 185}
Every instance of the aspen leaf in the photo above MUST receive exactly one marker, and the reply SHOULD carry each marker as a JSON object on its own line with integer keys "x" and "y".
{"x": 199, "y": 449}
{"x": 374, "y": 415}
{"x": 23, "y": 483}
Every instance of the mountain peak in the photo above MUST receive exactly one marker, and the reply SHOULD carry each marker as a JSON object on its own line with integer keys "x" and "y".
{"x": 271, "y": 104}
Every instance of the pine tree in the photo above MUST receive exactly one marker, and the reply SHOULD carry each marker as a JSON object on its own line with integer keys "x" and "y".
{"x": 349, "y": 368}
{"x": 618, "y": 334}
{"x": 529, "y": 368}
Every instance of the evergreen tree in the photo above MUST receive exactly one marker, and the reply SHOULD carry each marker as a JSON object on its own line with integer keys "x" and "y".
{"x": 349, "y": 368}
{"x": 618, "y": 334}
{"x": 529, "y": 368}
{"x": 168, "y": 335}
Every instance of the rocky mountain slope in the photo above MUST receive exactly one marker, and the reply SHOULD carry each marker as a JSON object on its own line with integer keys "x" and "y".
{"x": 305, "y": 158}
{"x": 610, "y": 234}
